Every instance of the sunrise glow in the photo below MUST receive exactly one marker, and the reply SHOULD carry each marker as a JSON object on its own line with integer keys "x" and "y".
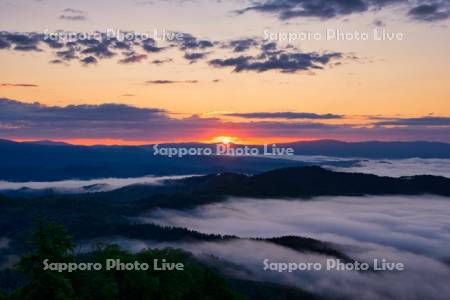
{"x": 225, "y": 139}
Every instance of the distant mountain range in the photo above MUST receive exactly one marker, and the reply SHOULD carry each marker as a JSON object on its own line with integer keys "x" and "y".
{"x": 372, "y": 149}
{"x": 49, "y": 161}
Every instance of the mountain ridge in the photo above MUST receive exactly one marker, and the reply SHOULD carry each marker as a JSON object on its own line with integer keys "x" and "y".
{"x": 48, "y": 162}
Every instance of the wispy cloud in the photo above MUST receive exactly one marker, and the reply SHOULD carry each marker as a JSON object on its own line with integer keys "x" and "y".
{"x": 284, "y": 115}
{"x": 133, "y": 58}
{"x": 72, "y": 14}
{"x": 423, "y": 121}
{"x": 26, "y": 85}
{"x": 162, "y": 81}
{"x": 161, "y": 61}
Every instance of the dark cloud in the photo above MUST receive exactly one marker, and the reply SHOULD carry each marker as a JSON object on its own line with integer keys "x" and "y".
{"x": 4, "y": 43}
{"x": 189, "y": 42}
{"x": 195, "y": 56}
{"x": 16, "y": 111}
{"x": 100, "y": 50}
{"x": 27, "y": 48}
{"x": 433, "y": 11}
{"x": 120, "y": 121}
{"x": 133, "y": 58}
{"x": 242, "y": 44}
{"x": 236, "y": 62}
{"x": 22, "y": 39}
{"x": 53, "y": 44}
{"x": 324, "y": 9}
{"x": 121, "y": 45}
{"x": 284, "y": 115}
{"x": 21, "y": 42}
{"x": 283, "y": 61}
{"x": 160, "y": 82}
{"x": 424, "y": 121}
{"x": 18, "y": 85}
{"x": 149, "y": 45}
{"x": 90, "y": 41}
{"x": 269, "y": 46}
{"x": 425, "y": 10}
{"x": 90, "y": 60}
{"x": 67, "y": 54}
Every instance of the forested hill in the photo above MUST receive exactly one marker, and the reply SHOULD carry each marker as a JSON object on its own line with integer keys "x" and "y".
{"x": 316, "y": 181}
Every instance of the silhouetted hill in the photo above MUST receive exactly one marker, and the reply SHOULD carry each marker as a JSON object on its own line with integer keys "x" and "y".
{"x": 315, "y": 181}
{"x": 303, "y": 244}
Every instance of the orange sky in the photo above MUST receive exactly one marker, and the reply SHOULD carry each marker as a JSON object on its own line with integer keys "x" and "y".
{"x": 401, "y": 78}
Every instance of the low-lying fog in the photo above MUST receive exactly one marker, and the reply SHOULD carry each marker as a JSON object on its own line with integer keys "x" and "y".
{"x": 414, "y": 223}
{"x": 84, "y": 186}
{"x": 411, "y": 230}
{"x": 382, "y": 167}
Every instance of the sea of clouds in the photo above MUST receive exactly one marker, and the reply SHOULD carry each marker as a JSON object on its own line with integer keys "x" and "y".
{"x": 412, "y": 230}
{"x": 384, "y": 167}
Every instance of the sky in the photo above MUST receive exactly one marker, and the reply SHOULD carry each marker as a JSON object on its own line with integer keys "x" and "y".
{"x": 352, "y": 70}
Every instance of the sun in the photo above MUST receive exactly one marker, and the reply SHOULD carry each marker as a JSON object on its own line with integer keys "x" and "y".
{"x": 224, "y": 139}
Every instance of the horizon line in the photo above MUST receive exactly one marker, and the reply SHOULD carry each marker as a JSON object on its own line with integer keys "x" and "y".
{"x": 125, "y": 143}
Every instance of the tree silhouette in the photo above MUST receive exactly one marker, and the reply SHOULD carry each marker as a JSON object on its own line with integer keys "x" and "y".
{"x": 51, "y": 241}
